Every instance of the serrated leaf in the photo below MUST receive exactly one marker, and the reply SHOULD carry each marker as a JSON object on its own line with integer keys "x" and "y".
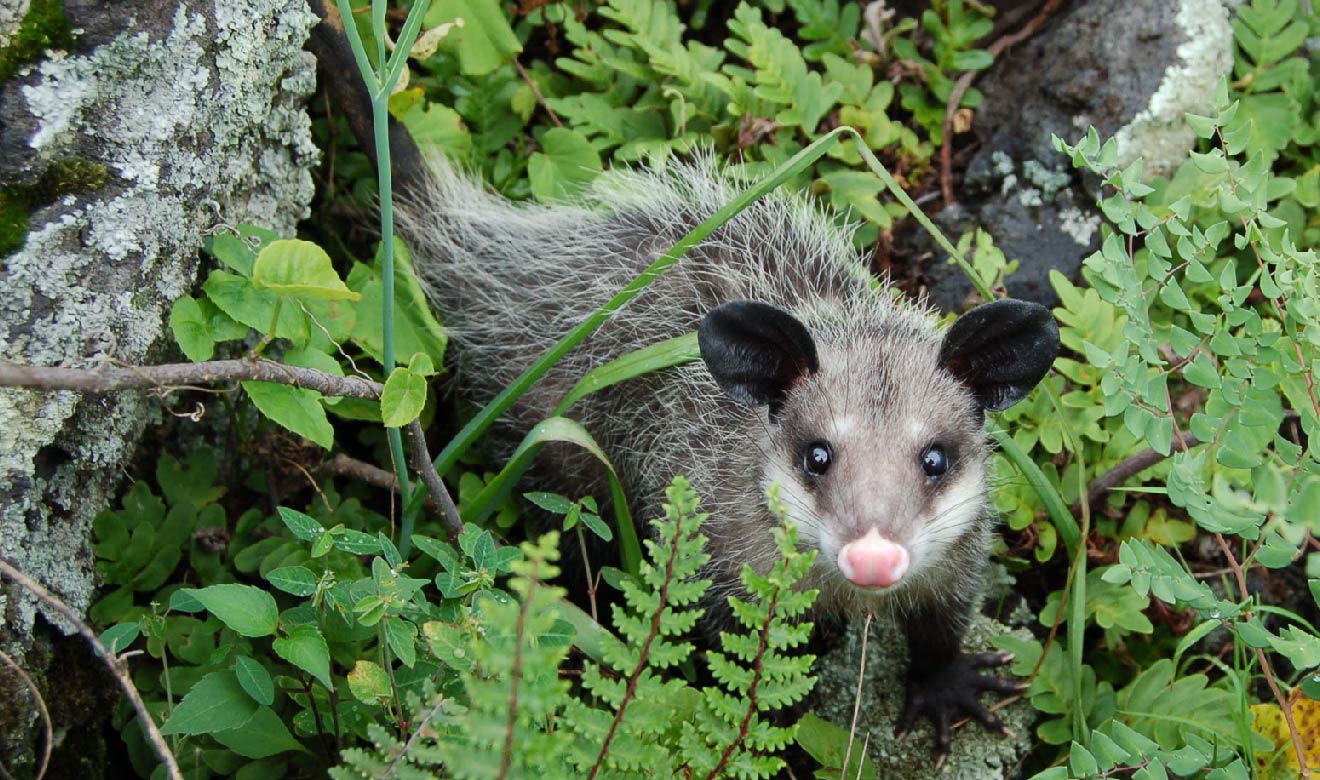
{"x": 247, "y": 610}
{"x": 300, "y": 269}
{"x": 215, "y": 703}
{"x": 117, "y": 638}
{"x": 305, "y": 648}
{"x": 262, "y": 736}
{"x": 295, "y": 408}
{"x": 294, "y": 580}
{"x": 303, "y": 526}
{"x": 369, "y": 683}
{"x": 254, "y": 679}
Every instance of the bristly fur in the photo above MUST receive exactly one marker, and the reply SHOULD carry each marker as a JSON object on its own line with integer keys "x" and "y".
{"x": 510, "y": 279}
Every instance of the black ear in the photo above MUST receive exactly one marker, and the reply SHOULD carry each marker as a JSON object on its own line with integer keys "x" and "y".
{"x": 755, "y": 351}
{"x": 1001, "y": 350}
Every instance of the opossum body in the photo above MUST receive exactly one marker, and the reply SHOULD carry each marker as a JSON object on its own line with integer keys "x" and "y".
{"x": 866, "y": 416}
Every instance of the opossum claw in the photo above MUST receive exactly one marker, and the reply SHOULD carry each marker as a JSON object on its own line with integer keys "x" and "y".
{"x": 951, "y": 693}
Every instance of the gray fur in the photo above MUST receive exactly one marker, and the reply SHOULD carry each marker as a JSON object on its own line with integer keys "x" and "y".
{"x": 510, "y": 279}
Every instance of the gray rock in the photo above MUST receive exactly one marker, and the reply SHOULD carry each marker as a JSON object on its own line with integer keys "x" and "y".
{"x": 975, "y": 754}
{"x": 171, "y": 119}
{"x": 1131, "y": 69}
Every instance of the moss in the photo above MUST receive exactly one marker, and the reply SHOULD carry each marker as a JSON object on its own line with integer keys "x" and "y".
{"x": 44, "y": 27}
{"x": 13, "y": 224}
{"x": 62, "y": 177}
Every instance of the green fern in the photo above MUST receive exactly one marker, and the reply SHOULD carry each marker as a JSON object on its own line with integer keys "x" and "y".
{"x": 514, "y": 716}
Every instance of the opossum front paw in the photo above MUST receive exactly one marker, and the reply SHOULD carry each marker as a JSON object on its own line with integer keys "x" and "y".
{"x": 952, "y": 692}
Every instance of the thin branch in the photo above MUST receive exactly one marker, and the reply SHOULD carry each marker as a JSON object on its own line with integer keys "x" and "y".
{"x": 1284, "y": 703}
{"x": 175, "y": 375}
{"x": 965, "y": 82}
{"x": 1129, "y": 468}
{"x": 537, "y": 92}
{"x": 392, "y": 770}
{"x": 41, "y": 707}
{"x": 111, "y": 661}
{"x": 421, "y": 463}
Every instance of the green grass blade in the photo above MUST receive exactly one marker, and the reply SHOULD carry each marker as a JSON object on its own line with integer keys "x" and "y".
{"x": 487, "y": 416}
{"x": 1055, "y": 506}
{"x": 560, "y": 429}
{"x": 653, "y": 357}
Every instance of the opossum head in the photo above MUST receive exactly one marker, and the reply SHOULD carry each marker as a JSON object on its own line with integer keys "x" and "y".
{"x": 875, "y": 427}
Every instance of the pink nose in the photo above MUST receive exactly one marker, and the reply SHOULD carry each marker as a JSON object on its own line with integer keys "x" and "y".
{"x": 873, "y": 561}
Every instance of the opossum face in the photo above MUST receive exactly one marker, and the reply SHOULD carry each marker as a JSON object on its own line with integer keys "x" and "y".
{"x": 875, "y": 429}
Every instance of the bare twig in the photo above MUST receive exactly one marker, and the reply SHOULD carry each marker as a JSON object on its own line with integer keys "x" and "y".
{"x": 41, "y": 707}
{"x": 537, "y": 91}
{"x": 421, "y": 463}
{"x": 1129, "y": 468}
{"x": 857, "y": 699}
{"x": 111, "y": 661}
{"x": 1266, "y": 668}
{"x": 342, "y": 465}
{"x": 174, "y": 375}
{"x": 964, "y": 83}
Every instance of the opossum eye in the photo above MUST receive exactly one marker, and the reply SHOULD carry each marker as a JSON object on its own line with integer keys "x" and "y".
{"x": 816, "y": 458}
{"x": 934, "y": 462}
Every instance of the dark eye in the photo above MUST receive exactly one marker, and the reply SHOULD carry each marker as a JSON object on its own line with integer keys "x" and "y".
{"x": 934, "y": 462}
{"x": 816, "y": 458}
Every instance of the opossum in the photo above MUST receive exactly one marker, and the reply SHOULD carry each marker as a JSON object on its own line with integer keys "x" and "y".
{"x": 813, "y": 377}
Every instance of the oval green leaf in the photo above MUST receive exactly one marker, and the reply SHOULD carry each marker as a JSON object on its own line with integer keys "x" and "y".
{"x": 247, "y": 610}
{"x": 306, "y": 649}
{"x": 254, "y": 679}
{"x": 295, "y": 408}
{"x": 215, "y": 703}
{"x": 301, "y": 269}
{"x": 403, "y": 398}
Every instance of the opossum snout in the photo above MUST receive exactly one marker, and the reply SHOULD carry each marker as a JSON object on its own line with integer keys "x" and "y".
{"x": 873, "y": 561}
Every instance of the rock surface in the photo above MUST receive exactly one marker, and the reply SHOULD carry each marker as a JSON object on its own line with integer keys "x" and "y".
{"x": 167, "y": 119}
{"x": 1131, "y": 69}
{"x": 975, "y": 754}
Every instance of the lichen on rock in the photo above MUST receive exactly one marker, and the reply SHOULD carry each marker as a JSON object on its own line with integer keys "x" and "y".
{"x": 176, "y": 119}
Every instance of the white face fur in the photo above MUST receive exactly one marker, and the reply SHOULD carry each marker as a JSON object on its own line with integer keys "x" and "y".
{"x": 900, "y": 464}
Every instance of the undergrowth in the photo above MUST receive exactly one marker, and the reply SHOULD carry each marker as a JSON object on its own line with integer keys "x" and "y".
{"x": 1176, "y": 615}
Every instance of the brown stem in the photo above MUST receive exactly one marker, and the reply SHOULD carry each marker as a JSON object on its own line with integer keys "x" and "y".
{"x": 1266, "y": 668}
{"x": 178, "y": 375}
{"x": 421, "y": 463}
{"x": 1129, "y": 468}
{"x": 537, "y": 91}
{"x": 965, "y": 82}
{"x": 41, "y": 707}
{"x": 644, "y": 657}
{"x": 111, "y": 661}
{"x": 753, "y": 700}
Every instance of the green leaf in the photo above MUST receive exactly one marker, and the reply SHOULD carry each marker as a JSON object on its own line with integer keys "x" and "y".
{"x": 294, "y": 580}
{"x": 217, "y": 702}
{"x": 402, "y": 638}
{"x": 300, "y": 269}
{"x": 238, "y": 299}
{"x": 484, "y": 42}
{"x": 248, "y": 610}
{"x": 263, "y": 735}
{"x": 306, "y": 649}
{"x": 369, "y": 683}
{"x": 303, "y": 526}
{"x": 254, "y": 679}
{"x": 403, "y": 397}
{"x": 295, "y": 408}
{"x": 550, "y": 502}
{"x": 117, "y": 638}
{"x": 188, "y": 323}
{"x": 566, "y": 165}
